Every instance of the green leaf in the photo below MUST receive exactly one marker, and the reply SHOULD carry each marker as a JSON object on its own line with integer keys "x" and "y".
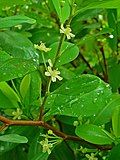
{"x": 85, "y": 95}
{"x": 6, "y": 103}
{"x": 116, "y": 121}
{"x": 15, "y": 68}
{"x": 115, "y": 153}
{"x": 93, "y": 134}
{"x": 69, "y": 52}
{"x": 40, "y": 156}
{"x": 15, "y": 20}
{"x": 61, "y": 151}
{"x": 13, "y": 138}
{"x": 10, "y": 3}
{"x": 17, "y": 45}
{"x": 99, "y": 4}
{"x": 112, "y": 19}
{"x": 9, "y": 92}
{"x": 25, "y": 84}
{"x": 35, "y": 86}
{"x": 57, "y": 6}
{"x": 65, "y": 11}
{"x": 114, "y": 74}
{"x": 105, "y": 115}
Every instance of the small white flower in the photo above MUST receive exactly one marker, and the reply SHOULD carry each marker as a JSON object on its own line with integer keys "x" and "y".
{"x": 100, "y": 17}
{"x": 18, "y": 26}
{"x": 17, "y": 114}
{"x": 67, "y": 31}
{"x": 54, "y": 74}
{"x": 111, "y": 36}
{"x": 46, "y": 146}
{"x": 42, "y": 47}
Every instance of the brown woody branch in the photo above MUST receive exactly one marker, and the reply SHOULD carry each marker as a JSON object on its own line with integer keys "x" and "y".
{"x": 7, "y": 122}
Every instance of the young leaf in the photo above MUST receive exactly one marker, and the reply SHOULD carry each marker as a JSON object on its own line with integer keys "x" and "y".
{"x": 24, "y": 86}
{"x": 13, "y": 138}
{"x": 116, "y": 121}
{"x": 9, "y": 92}
{"x": 6, "y": 103}
{"x": 15, "y": 20}
{"x": 93, "y": 134}
{"x": 65, "y": 11}
{"x": 57, "y": 6}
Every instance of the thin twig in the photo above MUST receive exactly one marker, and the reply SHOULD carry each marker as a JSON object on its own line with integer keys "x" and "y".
{"x": 105, "y": 64}
{"x": 7, "y": 122}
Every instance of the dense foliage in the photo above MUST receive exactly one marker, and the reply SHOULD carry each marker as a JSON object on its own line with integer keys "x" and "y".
{"x": 59, "y": 79}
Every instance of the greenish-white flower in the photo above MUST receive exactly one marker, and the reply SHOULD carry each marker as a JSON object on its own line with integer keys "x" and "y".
{"x": 53, "y": 73}
{"x": 66, "y": 31}
{"x": 46, "y": 146}
{"x": 42, "y": 47}
{"x": 91, "y": 157}
{"x": 17, "y": 114}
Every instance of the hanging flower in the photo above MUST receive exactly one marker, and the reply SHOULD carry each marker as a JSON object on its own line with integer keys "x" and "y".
{"x": 54, "y": 74}
{"x": 46, "y": 146}
{"x": 17, "y": 114}
{"x": 42, "y": 47}
{"x": 67, "y": 31}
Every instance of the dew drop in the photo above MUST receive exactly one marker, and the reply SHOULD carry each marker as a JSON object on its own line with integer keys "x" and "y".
{"x": 2, "y": 148}
{"x": 82, "y": 105}
{"x": 67, "y": 88}
{"x": 94, "y": 100}
{"x": 4, "y": 73}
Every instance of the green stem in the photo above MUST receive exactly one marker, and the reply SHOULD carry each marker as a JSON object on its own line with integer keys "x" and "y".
{"x": 44, "y": 61}
{"x": 57, "y": 56}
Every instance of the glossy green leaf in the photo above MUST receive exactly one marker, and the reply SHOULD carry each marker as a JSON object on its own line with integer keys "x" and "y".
{"x": 17, "y": 45}
{"x": 116, "y": 121}
{"x": 4, "y": 57}
{"x": 57, "y": 6}
{"x": 6, "y": 103}
{"x": 114, "y": 74}
{"x": 114, "y": 153}
{"x": 93, "y": 134}
{"x": 99, "y": 4}
{"x": 10, "y": 3}
{"x": 65, "y": 11}
{"x": 69, "y": 52}
{"x": 41, "y": 156}
{"x": 15, "y": 68}
{"x": 112, "y": 19}
{"x": 85, "y": 95}
{"x": 24, "y": 86}
{"x": 13, "y": 138}
{"x": 35, "y": 86}
{"x": 9, "y": 92}
{"x": 15, "y": 20}
{"x": 105, "y": 115}
{"x": 61, "y": 151}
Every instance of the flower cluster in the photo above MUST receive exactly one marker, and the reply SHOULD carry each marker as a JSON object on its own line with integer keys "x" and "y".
{"x": 67, "y": 32}
{"x": 53, "y": 73}
{"x": 46, "y": 146}
{"x": 91, "y": 157}
{"x": 17, "y": 114}
{"x": 50, "y": 140}
{"x": 42, "y": 47}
